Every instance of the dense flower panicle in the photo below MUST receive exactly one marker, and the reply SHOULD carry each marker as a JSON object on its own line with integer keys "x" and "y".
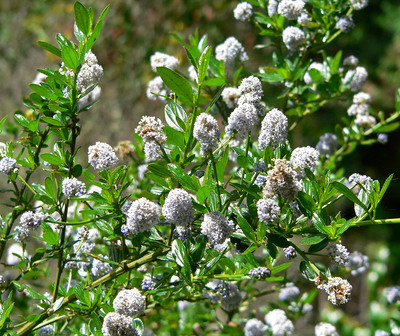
{"x": 7, "y": 165}
{"x": 182, "y": 232}
{"x": 216, "y": 227}
{"x": 365, "y": 121}
{"x": 278, "y": 322}
{"x": 323, "y": 69}
{"x": 358, "y": 263}
{"x": 151, "y": 129}
{"x": 129, "y": 302}
{"x": 159, "y": 59}
{"x": 243, "y": 11}
{"x": 282, "y": 180}
{"x": 325, "y": 329}
{"x": 115, "y": 324}
{"x": 46, "y": 331}
{"x": 243, "y": 119}
{"x": 251, "y": 88}
{"x": 254, "y": 327}
{"x": 392, "y": 294}
{"x": 274, "y": 130}
{"x": 28, "y": 221}
{"x": 268, "y": 210}
{"x": 223, "y": 292}
{"x": 260, "y": 166}
{"x": 304, "y": 18}
{"x": 289, "y": 292}
{"x": 272, "y": 7}
{"x": 359, "y": 4}
{"x": 152, "y": 151}
{"x": 291, "y": 9}
{"x": 100, "y": 268}
{"x": 141, "y": 216}
{"x": 304, "y": 157}
{"x": 102, "y": 156}
{"x": 230, "y": 96}
{"x": 206, "y": 130}
{"x": 290, "y": 252}
{"x": 356, "y": 181}
{"x": 338, "y": 290}
{"x": 72, "y": 187}
{"x": 229, "y": 51}
{"x": 90, "y": 73}
{"x": 345, "y": 24}
{"x": 339, "y": 254}
{"x": 383, "y": 138}
{"x": 260, "y": 181}
{"x": 380, "y": 332}
{"x": 178, "y": 207}
{"x": 260, "y": 272}
{"x": 351, "y": 61}
{"x": 327, "y": 144}
{"x": 148, "y": 283}
{"x": 293, "y": 37}
{"x": 356, "y": 78}
{"x": 157, "y": 87}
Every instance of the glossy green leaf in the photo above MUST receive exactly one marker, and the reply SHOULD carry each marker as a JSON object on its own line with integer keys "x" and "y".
{"x": 307, "y": 271}
{"x": 340, "y": 187}
{"x": 175, "y": 116}
{"x": 52, "y": 158}
{"x": 29, "y": 291}
{"x": 183, "y": 178}
{"x": 70, "y": 57}
{"x": 312, "y": 240}
{"x": 203, "y": 194}
{"x": 22, "y": 120}
{"x": 204, "y": 61}
{"x": 82, "y": 18}
{"x": 50, "y": 48}
{"x": 49, "y": 236}
{"x": 177, "y": 84}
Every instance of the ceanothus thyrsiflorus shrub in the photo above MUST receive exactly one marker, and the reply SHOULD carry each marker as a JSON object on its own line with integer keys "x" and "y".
{"x": 213, "y": 208}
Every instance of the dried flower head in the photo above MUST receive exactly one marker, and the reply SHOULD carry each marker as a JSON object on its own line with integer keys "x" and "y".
{"x": 102, "y": 156}
{"x": 129, "y": 302}
{"x": 338, "y": 290}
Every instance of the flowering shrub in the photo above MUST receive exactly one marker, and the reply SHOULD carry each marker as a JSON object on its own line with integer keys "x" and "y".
{"x": 212, "y": 200}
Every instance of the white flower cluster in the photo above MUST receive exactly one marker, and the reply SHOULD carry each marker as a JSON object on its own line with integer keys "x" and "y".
{"x": 129, "y": 302}
{"x": 157, "y": 87}
{"x": 148, "y": 283}
{"x": 206, "y": 130}
{"x": 224, "y": 292}
{"x": 360, "y": 109}
{"x": 274, "y": 130}
{"x": 291, "y": 9}
{"x": 358, "y": 181}
{"x": 290, "y": 252}
{"x": 251, "y": 90}
{"x": 380, "y": 332}
{"x": 28, "y": 221}
{"x": 260, "y": 272}
{"x": 100, "y": 268}
{"x": 229, "y": 51}
{"x": 7, "y": 165}
{"x": 358, "y": 263}
{"x": 254, "y": 327}
{"x": 90, "y": 73}
{"x": 150, "y": 129}
{"x": 272, "y": 7}
{"x": 141, "y": 216}
{"x": 71, "y": 187}
{"x": 325, "y": 329}
{"x": 339, "y": 254}
{"x": 216, "y": 227}
{"x": 243, "y": 11}
{"x": 289, "y": 292}
{"x": 282, "y": 180}
{"x": 178, "y": 208}
{"x": 327, "y": 144}
{"x": 355, "y": 78}
{"x": 278, "y": 323}
{"x": 293, "y": 38}
{"x": 243, "y": 119}
{"x": 345, "y": 24}
{"x": 359, "y": 4}
{"x": 159, "y": 59}
{"x": 102, "y": 156}
{"x": 46, "y": 331}
{"x": 393, "y": 294}
{"x": 323, "y": 69}
{"x": 351, "y": 61}
{"x": 304, "y": 157}
{"x": 338, "y": 290}
{"x": 268, "y": 210}
{"x": 115, "y": 324}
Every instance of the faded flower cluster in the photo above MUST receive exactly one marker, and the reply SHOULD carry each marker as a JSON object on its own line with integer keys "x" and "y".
{"x": 338, "y": 290}
{"x": 150, "y": 129}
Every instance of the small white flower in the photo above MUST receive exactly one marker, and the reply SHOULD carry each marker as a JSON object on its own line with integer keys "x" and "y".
{"x": 293, "y": 37}
{"x": 73, "y": 187}
{"x": 102, "y": 156}
{"x": 163, "y": 60}
{"x": 243, "y": 11}
{"x": 129, "y": 302}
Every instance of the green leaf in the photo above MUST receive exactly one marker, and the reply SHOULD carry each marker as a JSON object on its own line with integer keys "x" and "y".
{"x": 336, "y": 62}
{"x": 49, "y": 236}
{"x": 217, "y": 81}
{"x": 50, "y": 48}
{"x": 42, "y": 91}
{"x": 245, "y": 226}
{"x": 177, "y": 84}
{"x": 221, "y": 165}
{"x": 181, "y": 258}
{"x": 82, "y": 18}
{"x": 183, "y": 178}
{"x": 29, "y": 291}
{"x": 49, "y": 186}
{"x": 270, "y": 77}
{"x": 51, "y": 121}
{"x": 80, "y": 294}
{"x": 348, "y": 194}
{"x": 280, "y": 268}
{"x": 174, "y": 137}
{"x": 278, "y": 240}
{"x": 22, "y": 120}
{"x": 6, "y": 309}
{"x": 306, "y": 204}
{"x": 97, "y": 29}
{"x": 214, "y": 100}
{"x": 315, "y": 76}
{"x": 387, "y": 128}
{"x": 204, "y": 61}
{"x": 385, "y": 186}
{"x": 138, "y": 326}
{"x": 313, "y": 240}
{"x": 307, "y": 271}
{"x": 203, "y": 194}
{"x": 52, "y": 159}
{"x": 175, "y": 116}
{"x": 159, "y": 170}
{"x": 70, "y": 57}
{"x": 192, "y": 58}
{"x": 319, "y": 224}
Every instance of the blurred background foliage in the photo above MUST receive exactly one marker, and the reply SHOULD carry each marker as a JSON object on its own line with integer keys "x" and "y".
{"x": 134, "y": 30}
